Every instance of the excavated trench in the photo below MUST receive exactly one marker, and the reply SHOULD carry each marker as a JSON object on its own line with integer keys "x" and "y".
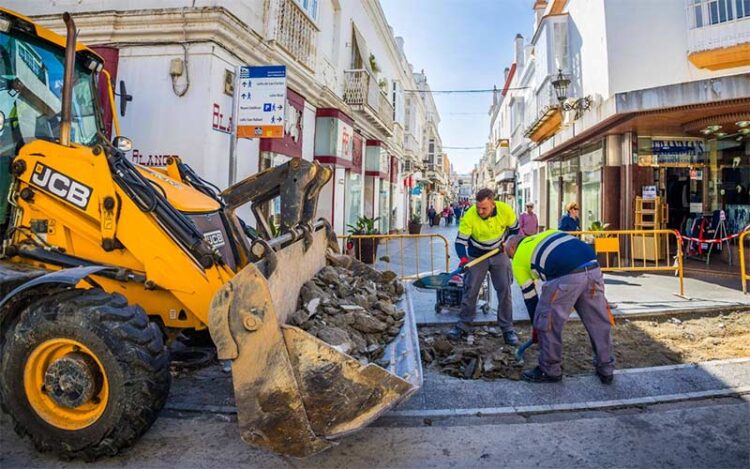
{"x": 643, "y": 342}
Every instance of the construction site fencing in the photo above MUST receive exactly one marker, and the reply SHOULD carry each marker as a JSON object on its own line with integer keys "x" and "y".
{"x": 408, "y": 255}
{"x": 744, "y": 275}
{"x": 637, "y": 251}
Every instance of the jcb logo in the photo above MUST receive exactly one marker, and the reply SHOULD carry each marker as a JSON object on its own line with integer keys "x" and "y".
{"x": 215, "y": 239}
{"x": 61, "y": 186}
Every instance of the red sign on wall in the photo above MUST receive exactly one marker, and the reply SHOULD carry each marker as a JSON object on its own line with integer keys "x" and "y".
{"x": 357, "y": 154}
{"x": 291, "y": 144}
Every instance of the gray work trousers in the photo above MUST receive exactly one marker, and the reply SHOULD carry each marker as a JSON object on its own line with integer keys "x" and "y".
{"x": 583, "y": 291}
{"x": 500, "y": 274}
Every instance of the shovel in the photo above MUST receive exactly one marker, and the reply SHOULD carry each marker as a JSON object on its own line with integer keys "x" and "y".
{"x": 434, "y": 282}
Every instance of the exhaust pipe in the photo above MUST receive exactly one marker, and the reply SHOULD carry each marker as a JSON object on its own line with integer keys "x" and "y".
{"x": 67, "y": 91}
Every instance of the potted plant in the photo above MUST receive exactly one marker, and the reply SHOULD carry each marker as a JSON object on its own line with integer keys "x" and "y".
{"x": 603, "y": 243}
{"x": 415, "y": 224}
{"x": 365, "y": 249}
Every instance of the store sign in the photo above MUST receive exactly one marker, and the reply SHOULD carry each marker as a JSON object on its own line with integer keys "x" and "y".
{"x": 333, "y": 137}
{"x": 654, "y": 151}
{"x": 696, "y": 174}
{"x": 377, "y": 161}
{"x": 696, "y": 207}
{"x": 261, "y": 92}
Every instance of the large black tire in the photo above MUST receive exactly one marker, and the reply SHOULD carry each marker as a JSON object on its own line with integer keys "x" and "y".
{"x": 131, "y": 354}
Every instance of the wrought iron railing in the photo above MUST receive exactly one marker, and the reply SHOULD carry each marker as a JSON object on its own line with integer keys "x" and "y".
{"x": 296, "y": 33}
{"x": 362, "y": 89}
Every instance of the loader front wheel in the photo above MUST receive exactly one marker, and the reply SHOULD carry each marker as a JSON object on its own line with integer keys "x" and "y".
{"x": 84, "y": 374}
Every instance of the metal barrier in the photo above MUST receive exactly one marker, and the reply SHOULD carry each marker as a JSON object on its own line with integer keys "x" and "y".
{"x": 637, "y": 251}
{"x": 400, "y": 253}
{"x": 744, "y": 276}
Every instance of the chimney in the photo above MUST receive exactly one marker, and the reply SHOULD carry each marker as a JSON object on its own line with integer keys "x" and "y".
{"x": 494, "y": 91}
{"x": 506, "y": 72}
{"x": 519, "y": 51}
{"x": 539, "y": 7}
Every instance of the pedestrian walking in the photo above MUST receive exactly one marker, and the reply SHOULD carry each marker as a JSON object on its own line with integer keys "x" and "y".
{"x": 484, "y": 227}
{"x": 431, "y": 215}
{"x": 528, "y": 222}
{"x": 570, "y": 221}
{"x": 572, "y": 279}
{"x": 447, "y": 214}
{"x": 457, "y": 212}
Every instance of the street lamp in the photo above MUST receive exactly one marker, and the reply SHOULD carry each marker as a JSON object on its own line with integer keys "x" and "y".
{"x": 561, "y": 84}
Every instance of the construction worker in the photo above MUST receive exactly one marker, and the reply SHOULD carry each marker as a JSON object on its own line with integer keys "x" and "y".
{"x": 484, "y": 227}
{"x": 572, "y": 279}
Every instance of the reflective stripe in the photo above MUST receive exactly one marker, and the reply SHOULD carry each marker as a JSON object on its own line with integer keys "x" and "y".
{"x": 530, "y": 294}
{"x": 462, "y": 241}
{"x": 463, "y": 236}
{"x": 553, "y": 245}
{"x": 541, "y": 246}
{"x": 526, "y": 285}
{"x": 483, "y": 247}
{"x": 489, "y": 242}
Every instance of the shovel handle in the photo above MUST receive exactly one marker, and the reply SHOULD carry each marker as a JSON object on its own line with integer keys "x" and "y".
{"x": 476, "y": 261}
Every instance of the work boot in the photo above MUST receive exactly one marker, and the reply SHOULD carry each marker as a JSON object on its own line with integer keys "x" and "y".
{"x": 605, "y": 379}
{"x": 457, "y": 332}
{"x": 510, "y": 337}
{"x": 538, "y": 376}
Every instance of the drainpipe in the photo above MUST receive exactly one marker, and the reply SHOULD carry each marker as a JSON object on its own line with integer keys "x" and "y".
{"x": 67, "y": 91}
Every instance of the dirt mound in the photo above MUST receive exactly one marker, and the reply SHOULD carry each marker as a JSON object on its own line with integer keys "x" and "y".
{"x": 352, "y": 307}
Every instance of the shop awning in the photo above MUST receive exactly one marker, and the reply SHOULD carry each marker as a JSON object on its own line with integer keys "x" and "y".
{"x": 664, "y": 122}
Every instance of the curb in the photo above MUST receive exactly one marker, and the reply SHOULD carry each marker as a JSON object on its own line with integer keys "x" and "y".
{"x": 572, "y": 407}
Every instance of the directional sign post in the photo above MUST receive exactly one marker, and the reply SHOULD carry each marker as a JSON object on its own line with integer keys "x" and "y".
{"x": 261, "y": 94}
{"x": 258, "y": 107}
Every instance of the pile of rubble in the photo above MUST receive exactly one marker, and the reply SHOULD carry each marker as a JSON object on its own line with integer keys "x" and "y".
{"x": 481, "y": 355}
{"x": 351, "y": 306}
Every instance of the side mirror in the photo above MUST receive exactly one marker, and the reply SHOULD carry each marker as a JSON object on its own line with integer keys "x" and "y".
{"x": 124, "y": 144}
{"x": 125, "y": 98}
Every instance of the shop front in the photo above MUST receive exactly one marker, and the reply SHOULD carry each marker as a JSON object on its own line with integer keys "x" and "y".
{"x": 702, "y": 181}
{"x": 334, "y": 146}
{"x": 576, "y": 178}
{"x": 377, "y": 184}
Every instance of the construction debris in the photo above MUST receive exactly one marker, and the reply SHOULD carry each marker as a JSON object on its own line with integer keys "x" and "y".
{"x": 352, "y": 307}
{"x": 480, "y": 355}
{"x": 639, "y": 342}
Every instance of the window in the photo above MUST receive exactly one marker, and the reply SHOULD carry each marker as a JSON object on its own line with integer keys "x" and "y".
{"x": 310, "y": 7}
{"x": 516, "y": 113}
{"x": 708, "y": 12}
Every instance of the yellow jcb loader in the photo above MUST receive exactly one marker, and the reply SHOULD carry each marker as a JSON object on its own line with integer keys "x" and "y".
{"x": 103, "y": 260}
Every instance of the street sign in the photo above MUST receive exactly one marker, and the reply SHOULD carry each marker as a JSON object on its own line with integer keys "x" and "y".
{"x": 261, "y": 92}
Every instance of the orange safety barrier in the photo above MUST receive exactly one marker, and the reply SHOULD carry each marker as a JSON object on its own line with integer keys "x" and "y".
{"x": 637, "y": 251}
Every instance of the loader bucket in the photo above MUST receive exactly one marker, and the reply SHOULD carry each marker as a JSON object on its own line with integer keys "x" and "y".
{"x": 294, "y": 392}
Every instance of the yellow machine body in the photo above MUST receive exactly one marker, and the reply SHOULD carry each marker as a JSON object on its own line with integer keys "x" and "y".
{"x": 294, "y": 393}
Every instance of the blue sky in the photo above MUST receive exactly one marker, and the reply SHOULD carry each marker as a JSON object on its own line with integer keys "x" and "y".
{"x": 461, "y": 44}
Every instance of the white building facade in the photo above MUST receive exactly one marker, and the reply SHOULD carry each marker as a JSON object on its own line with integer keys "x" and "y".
{"x": 346, "y": 105}
{"x": 654, "y": 94}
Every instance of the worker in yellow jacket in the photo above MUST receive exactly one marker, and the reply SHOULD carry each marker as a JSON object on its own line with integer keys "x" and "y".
{"x": 483, "y": 228}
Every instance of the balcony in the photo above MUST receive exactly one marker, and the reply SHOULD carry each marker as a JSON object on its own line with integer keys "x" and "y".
{"x": 296, "y": 33}
{"x": 410, "y": 144}
{"x": 720, "y": 46}
{"x": 362, "y": 93}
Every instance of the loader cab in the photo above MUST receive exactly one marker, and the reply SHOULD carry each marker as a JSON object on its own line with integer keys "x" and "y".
{"x": 31, "y": 81}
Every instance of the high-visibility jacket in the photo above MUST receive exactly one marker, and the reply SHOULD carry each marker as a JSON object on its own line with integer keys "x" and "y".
{"x": 547, "y": 255}
{"x": 477, "y": 235}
